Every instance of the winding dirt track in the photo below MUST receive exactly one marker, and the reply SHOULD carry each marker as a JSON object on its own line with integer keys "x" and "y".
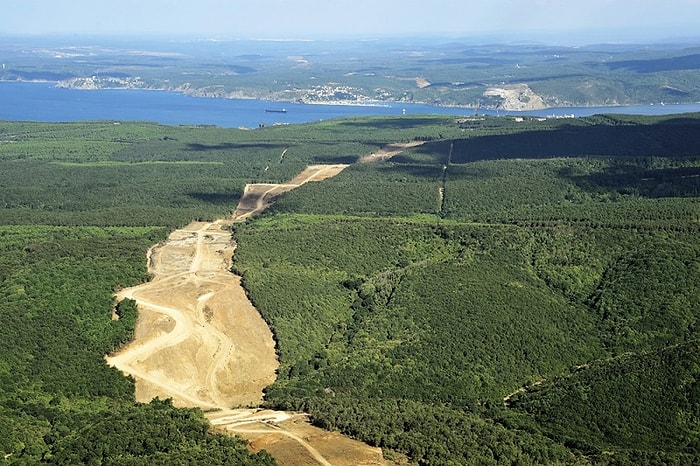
{"x": 197, "y": 333}
{"x": 200, "y": 341}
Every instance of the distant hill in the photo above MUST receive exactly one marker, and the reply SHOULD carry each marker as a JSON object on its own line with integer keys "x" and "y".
{"x": 454, "y": 73}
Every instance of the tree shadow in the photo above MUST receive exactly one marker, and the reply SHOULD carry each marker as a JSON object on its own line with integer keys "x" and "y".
{"x": 670, "y": 138}
{"x": 420, "y": 172}
{"x": 636, "y": 180}
{"x": 630, "y": 147}
{"x": 230, "y": 145}
{"x": 335, "y": 159}
{"x": 685, "y": 62}
{"x": 384, "y": 123}
{"x": 221, "y": 198}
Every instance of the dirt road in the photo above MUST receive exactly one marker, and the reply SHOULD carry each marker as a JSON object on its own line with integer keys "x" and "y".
{"x": 293, "y": 441}
{"x": 199, "y": 340}
{"x": 389, "y": 151}
{"x": 258, "y": 197}
{"x": 197, "y": 332}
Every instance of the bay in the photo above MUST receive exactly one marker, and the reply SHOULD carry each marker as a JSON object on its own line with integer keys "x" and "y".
{"x": 43, "y": 101}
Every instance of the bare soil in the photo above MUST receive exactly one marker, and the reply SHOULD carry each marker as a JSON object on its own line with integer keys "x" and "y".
{"x": 293, "y": 441}
{"x": 389, "y": 151}
{"x": 197, "y": 332}
{"x": 257, "y": 197}
{"x": 516, "y": 97}
{"x": 199, "y": 340}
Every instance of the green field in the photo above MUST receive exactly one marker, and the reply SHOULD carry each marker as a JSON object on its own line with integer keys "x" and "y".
{"x": 411, "y": 300}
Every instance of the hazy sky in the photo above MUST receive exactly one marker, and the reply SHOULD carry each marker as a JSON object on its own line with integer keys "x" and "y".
{"x": 534, "y": 19}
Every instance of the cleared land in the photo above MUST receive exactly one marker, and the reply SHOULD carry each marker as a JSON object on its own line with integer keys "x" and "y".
{"x": 259, "y": 196}
{"x": 389, "y": 151}
{"x": 197, "y": 331}
{"x": 201, "y": 342}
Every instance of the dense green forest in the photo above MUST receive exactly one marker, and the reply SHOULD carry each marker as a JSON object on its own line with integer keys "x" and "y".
{"x": 414, "y": 296}
{"x": 509, "y": 292}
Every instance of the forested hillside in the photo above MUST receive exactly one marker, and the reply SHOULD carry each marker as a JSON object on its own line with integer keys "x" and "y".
{"x": 508, "y": 292}
{"x": 412, "y": 297}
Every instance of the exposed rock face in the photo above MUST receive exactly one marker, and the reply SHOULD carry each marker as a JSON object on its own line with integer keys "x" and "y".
{"x": 516, "y": 97}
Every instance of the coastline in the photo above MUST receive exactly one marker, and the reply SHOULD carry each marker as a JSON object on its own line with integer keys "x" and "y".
{"x": 201, "y": 93}
{"x": 45, "y": 101}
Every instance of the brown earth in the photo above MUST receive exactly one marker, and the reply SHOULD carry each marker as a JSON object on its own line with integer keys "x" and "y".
{"x": 389, "y": 151}
{"x": 516, "y": 97}
{"x": 292, "y": 440}
{"x": 197, "y": 332}
{"x": 199, "y": 340}
{"x": 259, "y": 196}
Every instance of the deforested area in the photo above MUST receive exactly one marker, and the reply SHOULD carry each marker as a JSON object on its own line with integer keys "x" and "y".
{"x": 497, "y": 291}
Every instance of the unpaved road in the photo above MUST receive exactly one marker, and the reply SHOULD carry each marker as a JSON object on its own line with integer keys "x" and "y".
{"x": 293, "y": 441}
{"x": 258, "y": 197}
{"x": 389, "y": 151}
{"x": 199, "y": 340}
{"x": 197, "y": 333}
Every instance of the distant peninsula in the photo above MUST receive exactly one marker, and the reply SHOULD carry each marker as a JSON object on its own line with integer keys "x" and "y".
{"x": 496, "y": 77}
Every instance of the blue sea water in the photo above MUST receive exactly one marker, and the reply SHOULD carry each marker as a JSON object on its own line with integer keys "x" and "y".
{"x": 31, "y": 101}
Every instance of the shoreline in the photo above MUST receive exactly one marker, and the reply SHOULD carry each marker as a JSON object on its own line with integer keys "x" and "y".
{"x": 44, "y": 101}
{"x": 193, "y": 92}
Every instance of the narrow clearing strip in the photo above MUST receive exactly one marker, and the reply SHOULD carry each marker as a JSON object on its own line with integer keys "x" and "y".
{"x": 199, "y": 340}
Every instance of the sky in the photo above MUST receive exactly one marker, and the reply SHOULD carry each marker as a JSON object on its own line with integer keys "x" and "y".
{"x": 556, "y": 20}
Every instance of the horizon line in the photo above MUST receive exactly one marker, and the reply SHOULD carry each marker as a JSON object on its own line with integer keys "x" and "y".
{"x": 551, "y": 38}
